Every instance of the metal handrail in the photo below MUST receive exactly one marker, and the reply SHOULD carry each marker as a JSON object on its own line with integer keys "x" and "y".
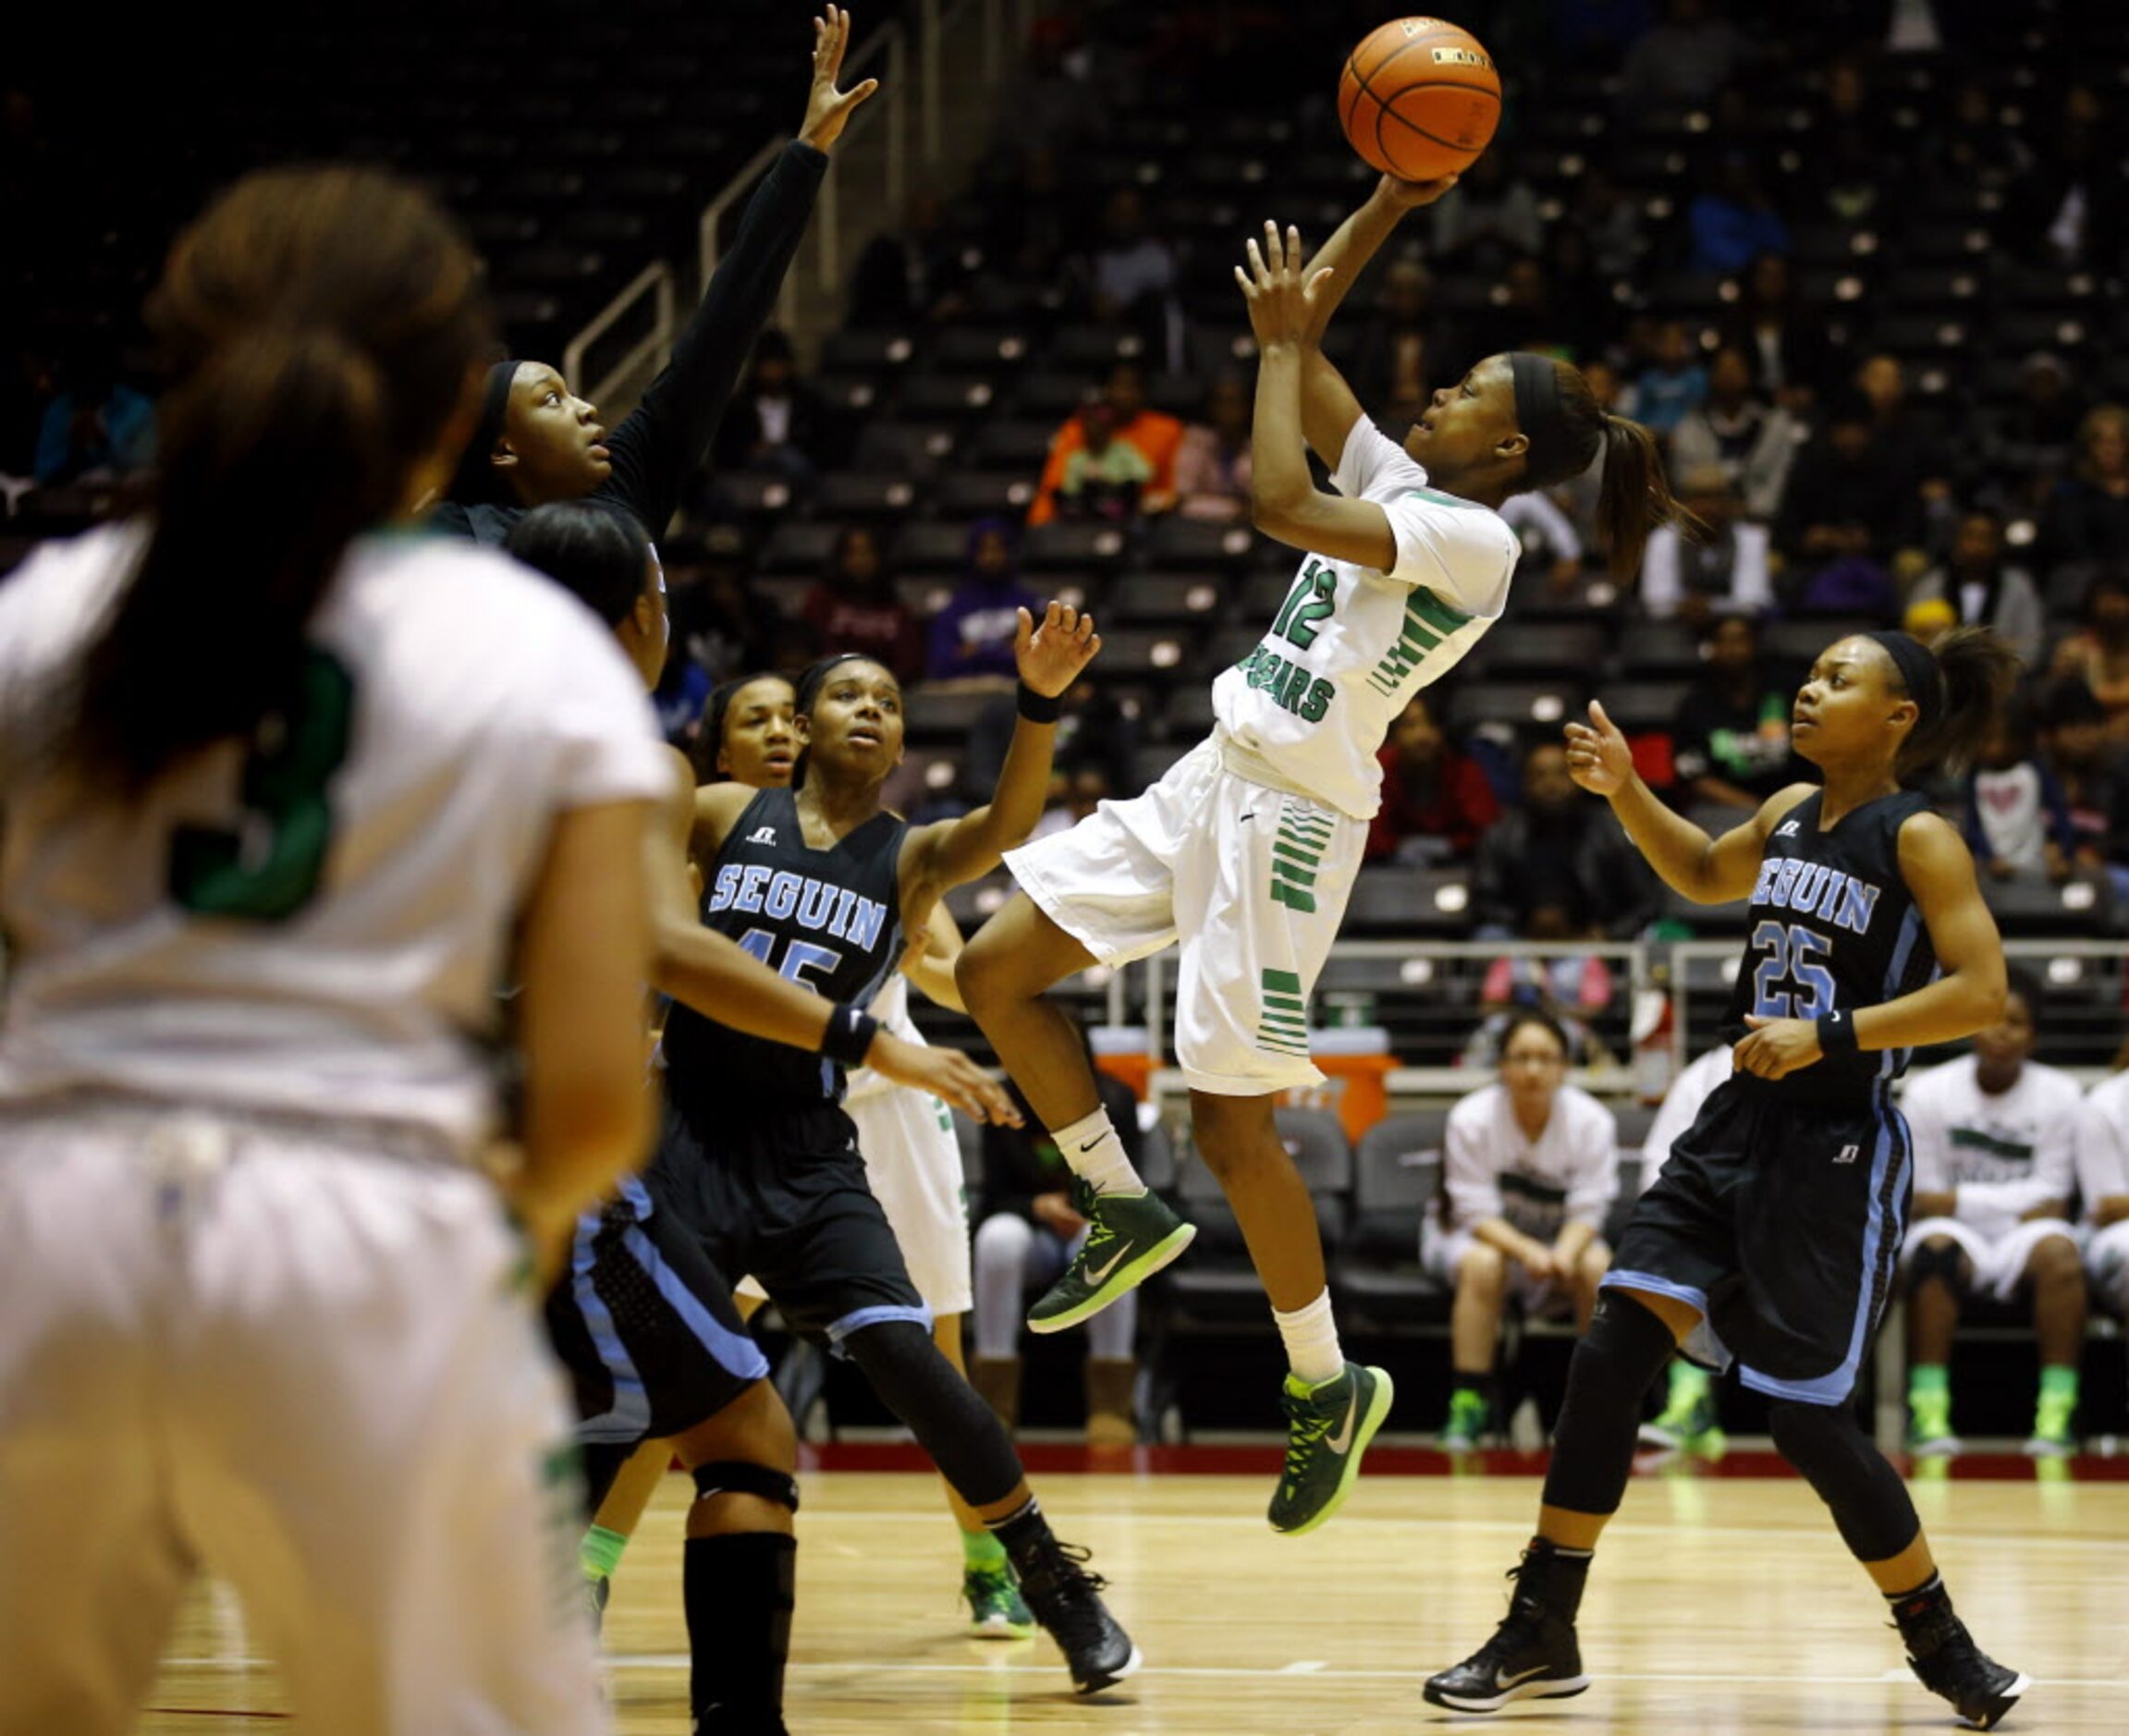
{"x": 656, "y": 279}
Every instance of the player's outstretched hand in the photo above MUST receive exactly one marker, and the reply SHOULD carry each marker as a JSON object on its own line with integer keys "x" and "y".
{"x": 1411, "y": 195}
{"x": 946, "y": 1073}
{"x": 1597, "y": 756}
{"x": 1773, "y": 1048}
{"x": 1050, "y": 657}
{"x": 828, "y": 110}
{"x": 1280, "y": 293}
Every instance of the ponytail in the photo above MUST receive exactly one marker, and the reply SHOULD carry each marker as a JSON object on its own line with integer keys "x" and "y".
{"x": 1568, "y": 430}
{"x": 1978, "y": 671}
{"x": 273, "y": 457}
{"x": 323, "y": 326}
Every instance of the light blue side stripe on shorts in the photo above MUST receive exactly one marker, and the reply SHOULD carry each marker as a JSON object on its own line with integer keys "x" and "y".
{"x": 735, "y": 1352}
{"x": 628, "y": 1418}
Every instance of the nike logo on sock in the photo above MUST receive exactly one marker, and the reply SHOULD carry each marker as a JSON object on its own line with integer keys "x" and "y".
{"x": 1340, "y": 1441}
{"x": 1090, "y": 1145}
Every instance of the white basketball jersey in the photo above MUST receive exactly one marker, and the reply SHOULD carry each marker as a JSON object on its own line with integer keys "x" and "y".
{"x": 891, "y": 1007}
{"x": 1351, "y": 645}
{"x": 319, "y": 926}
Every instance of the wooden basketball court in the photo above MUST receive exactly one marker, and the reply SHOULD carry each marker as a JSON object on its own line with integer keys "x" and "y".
{"x": 1722, "y": 1604}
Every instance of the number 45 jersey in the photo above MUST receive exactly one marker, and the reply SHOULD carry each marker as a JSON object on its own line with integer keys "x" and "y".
{"x": 1831, "y": 924}
{"x": 1352, "y": 644}
{"x": 315, "y": 920}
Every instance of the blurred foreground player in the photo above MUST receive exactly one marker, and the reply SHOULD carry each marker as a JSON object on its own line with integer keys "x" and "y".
{"x": 261, "y": 1312}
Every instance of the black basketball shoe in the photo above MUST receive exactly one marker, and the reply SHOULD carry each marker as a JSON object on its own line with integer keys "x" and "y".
{"x": 1946, "y": 1661}
{"x": 1066, "y": 1599}
{"x": 1533, "y": 1654}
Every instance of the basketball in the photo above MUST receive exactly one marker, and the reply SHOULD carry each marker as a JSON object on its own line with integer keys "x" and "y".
{"x": 1419, "y": 99}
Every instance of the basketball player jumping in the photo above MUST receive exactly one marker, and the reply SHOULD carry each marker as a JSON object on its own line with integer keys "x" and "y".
{"x": 1245, "y": 854}
{"x": 1772, "y": 1232}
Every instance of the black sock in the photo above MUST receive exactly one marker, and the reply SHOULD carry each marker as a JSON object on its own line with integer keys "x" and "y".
{"x": 738, "y": 1590}
{"x": 1920, "y": 1601}
{"x": 1555, "y": 1576}
{"x": 1480, "y": 1383}
{"x": 1024, "y": 1531}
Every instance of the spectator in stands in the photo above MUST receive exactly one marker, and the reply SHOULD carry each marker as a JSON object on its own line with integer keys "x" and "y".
{"x": 1096, "y": 734}
{"x": 1552, "y": 547}
{"x": 2088, "y": 519}
{"x": 1973, "y": 149}
{"x": 2017, "y": 821}
{"x": 776, "y": 421}
{"x": 1556, "y": 867}
{"x": 1436, "y": 802}
{"x": 535, "y": 441}
{"x": 97, "y": 429}
{"x": 1902, "y": 429}
{"x": 855, "y": 607}
{"x": 1675, "y": 384}
{"x": 1031, "y": 1230}
{"x": 2072, "y": 202}
{"x": 1995, "y": 1142}
{"x": 1571, "y": 988}
{"x": 1032, "y": 220}
{"x": 2034, "y": 439}
{"x": 1975, "y": 582}
{"x": 1153, "y": 434}
{"x": 1493, "y": 219}
{"x": 1733, "y": 222}
{"x": 1847, "y": 510}
{"x": 1727, "y": 570}
{"x": 2097, "y": 652}
{"x": 912, "y": 276}
{"x": 1107, "y": 477}
{"x": 1737, "y": 430}
{"x": 1404, "y": 348}
{"x": 1133, "y": 279}
{"x": 2094, "y": 776}
{"x": 1687, "y": 59}
{"x": 1730, "y": 739}
{"x": 1579, "y": 497}
{"x": 1212, "y": 464}
{"x": 716, "y": 616}
{"x": 2103, "y": 1183}
{"x": 1612, "y": 221}
{"x": 1529, "y": 1168}
{"x": 972, "y": 636}
{"x": 1531, "y": 315}
{"x": 1786, "y": 342}
{"x": 1930, "y": 619}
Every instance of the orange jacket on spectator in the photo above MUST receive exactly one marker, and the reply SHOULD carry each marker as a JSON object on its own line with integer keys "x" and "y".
{"x": 1152, "y": 432}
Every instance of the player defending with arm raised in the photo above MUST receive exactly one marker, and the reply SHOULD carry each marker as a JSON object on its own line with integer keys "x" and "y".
{"x": 1771, "y": 1235}
{"x": 1245, "y": 853}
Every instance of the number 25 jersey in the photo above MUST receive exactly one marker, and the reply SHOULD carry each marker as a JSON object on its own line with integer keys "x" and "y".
{"x": 1352, "y": 644}
{"x": 1833, "y": 924}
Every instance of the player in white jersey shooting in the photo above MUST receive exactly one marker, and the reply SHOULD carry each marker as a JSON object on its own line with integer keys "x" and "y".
{"x": 1245, "y": 853}
{"x": 261, "y": 1311}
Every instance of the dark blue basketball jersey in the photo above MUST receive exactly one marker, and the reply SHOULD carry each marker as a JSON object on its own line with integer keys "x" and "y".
{"x": 1833, "y": 925}
{"x": 828, "y": 919}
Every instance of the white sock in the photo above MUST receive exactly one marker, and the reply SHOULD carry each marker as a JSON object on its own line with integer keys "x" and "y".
{"x": 1311, "y": 1339}
{"x": 1091, "y": 1147}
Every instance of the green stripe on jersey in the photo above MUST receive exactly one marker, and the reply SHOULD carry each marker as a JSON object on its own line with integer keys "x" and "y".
{"x": 1427, "y": 621}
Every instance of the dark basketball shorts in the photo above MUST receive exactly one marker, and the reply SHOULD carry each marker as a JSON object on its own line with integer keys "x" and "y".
{"x": 1781, "y": 1219}
{"x": 782, "y": 1197}
{"x": 643, "y": 1323}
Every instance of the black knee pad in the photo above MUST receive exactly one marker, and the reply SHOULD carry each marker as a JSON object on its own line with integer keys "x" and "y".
{"x": 1870, "y": 1503}
{"x": 915, "y": 1381}
{"x": 741, "y": 1476}
{"x": 1942, "y": 1259}
{"x": 1620, "y": 1356}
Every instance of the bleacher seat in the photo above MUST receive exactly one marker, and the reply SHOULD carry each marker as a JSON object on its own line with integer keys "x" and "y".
{"x": 1382, "y": 1289}
{"x": 1071, "y": 546}
{"x": 1389, "y": 899}
{"x": 1167, "y": 599}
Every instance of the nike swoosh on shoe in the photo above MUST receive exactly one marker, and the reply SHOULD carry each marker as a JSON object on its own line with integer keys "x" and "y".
{"x": 1342, "y": 1441}
{"x": 1115, "y": 1260}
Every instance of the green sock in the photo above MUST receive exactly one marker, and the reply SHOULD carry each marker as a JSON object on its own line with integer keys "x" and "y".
{"x": 2059, "y": 1383}
{"x": 1928, "y": 1380}
{"x": 982, "y": 1552}
{"x": 601, "y": 1552}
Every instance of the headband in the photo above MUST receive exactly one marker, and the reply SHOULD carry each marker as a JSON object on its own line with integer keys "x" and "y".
{"x": 1552, "y": 458}
{"x": 809, "y": 679}
{"x": 1918, "y": 673}
{"x": 475, "y": 482}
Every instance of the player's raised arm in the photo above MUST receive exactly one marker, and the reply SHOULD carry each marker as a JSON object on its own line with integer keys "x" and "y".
{"x": 1708, "y": 871}
{"x": 953, "y": 852}
{"x": 1285, "y": 503}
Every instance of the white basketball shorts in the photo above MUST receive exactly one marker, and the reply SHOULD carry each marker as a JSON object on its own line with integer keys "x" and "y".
{"x": 308, "y": 1368}
{"x": 1251, "y": 882}
{"x": 1998, "y": 1262}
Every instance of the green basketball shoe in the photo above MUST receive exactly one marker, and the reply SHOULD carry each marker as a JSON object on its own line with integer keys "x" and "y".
{"x": 1328, "y": 1428}
{"x": 1129, "y": 1237}
{"x": 997, "y": 1610}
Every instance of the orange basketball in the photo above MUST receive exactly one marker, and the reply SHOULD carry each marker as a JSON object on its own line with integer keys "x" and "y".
{"x": 1419, "y": 99}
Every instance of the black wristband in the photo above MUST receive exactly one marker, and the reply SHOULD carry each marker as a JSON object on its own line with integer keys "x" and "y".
{"x": 1836, "y": 1033}
{"x": 1039, "y": 707}
{"x": 850, "y": 1035}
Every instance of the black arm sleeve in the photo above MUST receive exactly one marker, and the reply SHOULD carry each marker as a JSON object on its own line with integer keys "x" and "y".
{"x": 665, "y": 437}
